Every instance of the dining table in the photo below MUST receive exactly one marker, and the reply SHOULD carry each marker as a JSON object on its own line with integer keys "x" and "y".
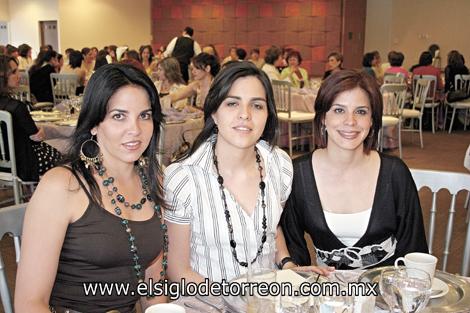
{"x": 179, "y": 128}
{"x": 456, "y": 299}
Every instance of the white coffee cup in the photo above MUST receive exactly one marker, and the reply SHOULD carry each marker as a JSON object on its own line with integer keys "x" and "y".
{"x": 165, "y": 308}
{"x": 422, "y": 261}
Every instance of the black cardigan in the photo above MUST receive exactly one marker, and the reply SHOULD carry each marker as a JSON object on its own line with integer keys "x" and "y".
{"x": 395, "y": 227}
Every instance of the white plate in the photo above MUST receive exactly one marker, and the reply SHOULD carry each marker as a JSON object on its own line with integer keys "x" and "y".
{"x": 438, "y": 284}
{"x": 46, "y": 118}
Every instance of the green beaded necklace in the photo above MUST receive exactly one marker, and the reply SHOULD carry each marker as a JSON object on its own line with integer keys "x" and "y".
{"x": 108, "y": 182}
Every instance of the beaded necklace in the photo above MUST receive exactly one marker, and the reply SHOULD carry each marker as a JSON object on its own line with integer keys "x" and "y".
{"x": 108, "y": 182}
{"x": 262, "y": 186}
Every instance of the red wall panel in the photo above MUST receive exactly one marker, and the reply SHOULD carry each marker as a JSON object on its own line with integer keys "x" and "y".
{"x": 314, "y": 27}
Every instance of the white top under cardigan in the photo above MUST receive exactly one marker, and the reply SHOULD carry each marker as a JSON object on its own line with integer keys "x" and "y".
{"x": 193, "y": 196}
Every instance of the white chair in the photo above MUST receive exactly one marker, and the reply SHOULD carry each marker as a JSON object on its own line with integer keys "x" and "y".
{"x": 453, "y": 182}
{"x": 8, "y": 159}
{"x": 11, "y": 222}
{"x": 394, "y": 78}
{"x": 462, "y": 82}
{"x": 64, "y": 86}
{"x": 394, "y": 96}
{"x": 282, "y": 97}
{"x": 416, "y": 112}
{"x": 430, "y": 98}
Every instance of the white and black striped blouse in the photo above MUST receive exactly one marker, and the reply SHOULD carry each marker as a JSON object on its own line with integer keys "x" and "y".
{"x": 193, "y": 196}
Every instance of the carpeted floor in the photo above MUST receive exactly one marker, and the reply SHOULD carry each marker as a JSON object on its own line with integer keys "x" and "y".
{"x": 441, "y": 152}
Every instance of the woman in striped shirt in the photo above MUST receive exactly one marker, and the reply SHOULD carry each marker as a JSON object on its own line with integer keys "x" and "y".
{"x": 226, "y": 197}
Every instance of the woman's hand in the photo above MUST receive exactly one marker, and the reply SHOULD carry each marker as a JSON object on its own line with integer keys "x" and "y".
{"x": 39, "y": 136}
{"x": 325, "y": 271}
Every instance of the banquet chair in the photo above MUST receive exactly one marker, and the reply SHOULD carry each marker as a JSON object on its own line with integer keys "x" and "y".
{"x": 11, "y": 222}
{"x": 8, "y": 159}
{"x": 453, "y": 182}
{"x": 394, "y": 96}
{"x": 420, "y": 92}
{"x": 282, "y": 97}
{"x": 394, "y": 78}
{"x": 64, "y": 86}
{"x": 431, "y": 96}
{"x": 462, "y": 82}
{"x": 21, "y": 93}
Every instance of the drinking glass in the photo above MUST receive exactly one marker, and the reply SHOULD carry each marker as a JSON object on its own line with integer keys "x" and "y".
{"x": 335, "y": 304}
{"x": 294, "y": 302}
{"x": 405, "y": 290}
{"x": 259, "y": 303}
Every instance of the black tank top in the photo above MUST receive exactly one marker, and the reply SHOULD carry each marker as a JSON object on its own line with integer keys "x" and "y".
{"x": 96, "y": 249}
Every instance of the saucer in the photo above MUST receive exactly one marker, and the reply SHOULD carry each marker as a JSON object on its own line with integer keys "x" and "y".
{"x": 438, "y": 284}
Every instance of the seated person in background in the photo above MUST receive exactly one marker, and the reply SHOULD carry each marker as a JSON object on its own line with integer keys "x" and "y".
{"x": 241, "y": 54}
{"x": 170, "y": 81}
{"x": 455, "y": 66}
{"x": 229, "y": 191}
{"x": 377, "y": 66}
{"x": 24, "y": 57}
{"x": 396, "y": 59}
{"x": 360, "y": 207}
{"x": 367, "y": 62}
{"x": 297, "y": 75}
{"x": 132, "y": 57}
{"x": 105, "y": 205}
{"x": 40, "y": 75}
{"x": 210, "y": 49}
{"x": 273, "y": 59}
{"x": 255, "y": 59}
{"x": 88, "y": 63}
{"x": 232, "y": 55}
{"x": 146, "y": 58}
{"x": 75, "y": 67}
{"x": 33, "y": 156}
{"x": 425, "y": 68}
{"x": 101, "y": 59}
{"x": 335, "y": 63}
{"x": 204, "y": 67}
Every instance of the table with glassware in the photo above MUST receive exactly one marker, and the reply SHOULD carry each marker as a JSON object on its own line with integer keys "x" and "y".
{"x": 402, "y": 288}
{"x": 179, "y": 128}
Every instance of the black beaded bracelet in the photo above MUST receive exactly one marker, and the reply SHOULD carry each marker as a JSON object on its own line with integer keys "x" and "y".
{"x": 284, "y": 261}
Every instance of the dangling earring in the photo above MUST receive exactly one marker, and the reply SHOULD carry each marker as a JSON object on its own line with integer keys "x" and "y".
{"x": 91, "y": 160}
{"x": 143, "y": 161}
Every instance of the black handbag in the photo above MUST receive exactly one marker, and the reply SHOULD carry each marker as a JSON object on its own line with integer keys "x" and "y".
{"x": 457, "y": 95}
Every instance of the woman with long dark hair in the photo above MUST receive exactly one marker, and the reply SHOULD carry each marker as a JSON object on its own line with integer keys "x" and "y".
{"x": 33, "y": 156}
{"x": 40, "y": 75}
{"x": 98, "y": 218}
{"x": 225, "y": 198}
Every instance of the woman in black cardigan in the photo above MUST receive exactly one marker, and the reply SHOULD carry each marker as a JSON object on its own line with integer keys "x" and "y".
{"x": 360, "y": 207}
{"x": 33, "y": 156}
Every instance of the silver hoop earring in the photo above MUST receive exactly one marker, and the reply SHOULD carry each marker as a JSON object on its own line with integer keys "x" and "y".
{"x": 91, "y": 160}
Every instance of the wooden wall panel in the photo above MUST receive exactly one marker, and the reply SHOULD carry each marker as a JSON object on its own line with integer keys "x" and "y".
{"x": 314, "y": 27}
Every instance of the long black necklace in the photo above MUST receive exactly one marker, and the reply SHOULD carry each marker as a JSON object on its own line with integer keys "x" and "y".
{"x": 108, "y": 182}
{"x": 262, "y": 186}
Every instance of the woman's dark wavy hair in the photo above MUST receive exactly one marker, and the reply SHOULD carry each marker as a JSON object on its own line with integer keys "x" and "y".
{"x": 104, "y": 83}
{"x": 218, "y": 93}
{"x": 425, "y": 58}
{"x": 5, "y": 72}
{"x": 43, "y": 56}
{"x": 295, "y": 54}
{"x": 203, "y": 59}
{"x": 141, "y": 50}
{"x": 75, "y": 59}
{"x": 337, "y": 83}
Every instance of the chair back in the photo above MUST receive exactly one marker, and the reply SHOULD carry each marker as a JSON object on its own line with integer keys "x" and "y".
{"x": 432, "y": 87}
{"x": 453, "y": 182}
{"x": 282, "y": 91}
{"x": 462, "y": 82}
{"x": 394, "y": 96}
{"x": 11, "y": 222}
{"x": 64, "y": 86}
{"x": 21, "y": 93}
{"x": 420, "y": 91}
{"x": 394, "y": 78}
{"x": 7, "y": 152}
